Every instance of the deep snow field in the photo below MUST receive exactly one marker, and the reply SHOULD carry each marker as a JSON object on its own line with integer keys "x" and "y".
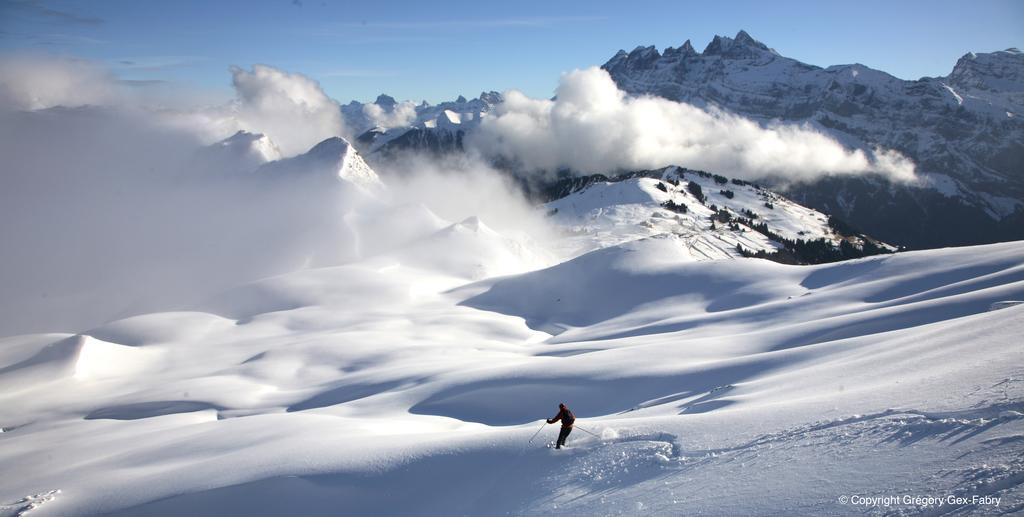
{"x": 410, "y": 383}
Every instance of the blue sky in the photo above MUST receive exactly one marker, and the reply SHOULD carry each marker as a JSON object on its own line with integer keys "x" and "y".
{"x": 438, "y": 50}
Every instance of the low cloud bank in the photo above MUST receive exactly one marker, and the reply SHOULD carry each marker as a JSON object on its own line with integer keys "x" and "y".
{"x": 107, "y": 208}
{"x": 592, "y": 126}
{"x": 290, "y": 108}
{"x": 106, "y": 213}
{"x": 460, "y": 186}
{"x": 110, "y": 207}
{"x": 31, "y": 82}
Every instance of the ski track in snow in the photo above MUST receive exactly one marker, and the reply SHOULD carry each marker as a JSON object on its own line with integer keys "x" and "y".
{"x": 403, "y": 386}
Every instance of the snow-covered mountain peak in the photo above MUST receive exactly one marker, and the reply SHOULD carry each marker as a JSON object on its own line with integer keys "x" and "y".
{"x": 717, "y": 45}
{"x": 686, "y": 49}
{"x": 334, "y": 157}
{"x": 743, "y": 45}
{"x": 240, "y": 152}
{"x": 639, "y": 58}
{"x": 743, "y": 38}
{"x": 1000, "y": 71}
{"x": 434, "y": 128}
{"x": 330, "y": 148}
{"x": 385, "y": 101}
{"x": 491, "y": 97}
{"x": 350, "y": 166}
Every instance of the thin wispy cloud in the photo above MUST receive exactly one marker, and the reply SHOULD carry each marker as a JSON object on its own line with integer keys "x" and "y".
{"x": 142, "y": 83}
{"x": 154, "y": 63}
{"x": 358, "y": 72}
{"x": 52, "y": 38}
{"x": 526, "y": 22}
{"x": 37, "y": 10}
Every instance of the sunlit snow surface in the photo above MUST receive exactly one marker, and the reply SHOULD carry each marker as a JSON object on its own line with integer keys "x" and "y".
{"x": 410, "y": 383}
{"x": 610, "y": 213}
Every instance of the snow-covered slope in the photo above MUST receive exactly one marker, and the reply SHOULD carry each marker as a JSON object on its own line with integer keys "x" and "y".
{"x": 713, "y": 217}
{"x": 402, "y": 363}
{"x": 395, "y": 386}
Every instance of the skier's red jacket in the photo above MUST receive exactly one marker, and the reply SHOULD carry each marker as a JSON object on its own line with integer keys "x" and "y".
{"x": 565, "y": 416}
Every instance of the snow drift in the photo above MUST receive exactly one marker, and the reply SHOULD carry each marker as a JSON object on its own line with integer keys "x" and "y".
{"x": 326, "y": 389}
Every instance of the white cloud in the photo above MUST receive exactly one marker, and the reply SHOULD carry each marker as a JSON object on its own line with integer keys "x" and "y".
{"x": 592, "y": 126}
{"x": 121, "y": 207}
{"x": 401, "y": 115}
{"x": 40, "y": 82}
{"x": 459, "y": 186}
{"x": 291, "y": 109}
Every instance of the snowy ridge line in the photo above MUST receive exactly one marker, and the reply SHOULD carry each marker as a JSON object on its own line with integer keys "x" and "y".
{"x": 718, "y": 218}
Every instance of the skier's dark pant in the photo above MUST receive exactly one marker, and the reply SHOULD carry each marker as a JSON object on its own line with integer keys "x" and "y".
{"x": 562, "y": 435}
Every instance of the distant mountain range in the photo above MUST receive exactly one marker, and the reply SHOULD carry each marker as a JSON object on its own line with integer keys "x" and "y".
{"x": 963, "y": 131}
{"x": 710, "y": 215}
{"x": 434, "y": 128}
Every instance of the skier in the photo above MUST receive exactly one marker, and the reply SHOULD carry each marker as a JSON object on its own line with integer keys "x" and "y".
{"x": 567, "y": 419}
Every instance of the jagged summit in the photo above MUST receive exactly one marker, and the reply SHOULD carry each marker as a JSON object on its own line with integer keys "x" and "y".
{"x": 332, "y": 147}
{"x": 491, "y": 97}
{"x": 385, "y": 101}
{"x": 743, "y": 43}
{"x": 435, "y": 128}
{"x": 743, "y": 46}
{"x": 962, "y": 131}
{"x": 744, "y": 39}
{"x": 369, "y": 128}
{"x": 333, "y": 158}
{"x": 685, "y": 50}
{"x": 1000, "y": 71}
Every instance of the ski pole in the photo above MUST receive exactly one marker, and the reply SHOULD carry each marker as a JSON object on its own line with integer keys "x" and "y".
{"x": 538, "y": 432}
{"x": 588, "y": 432}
